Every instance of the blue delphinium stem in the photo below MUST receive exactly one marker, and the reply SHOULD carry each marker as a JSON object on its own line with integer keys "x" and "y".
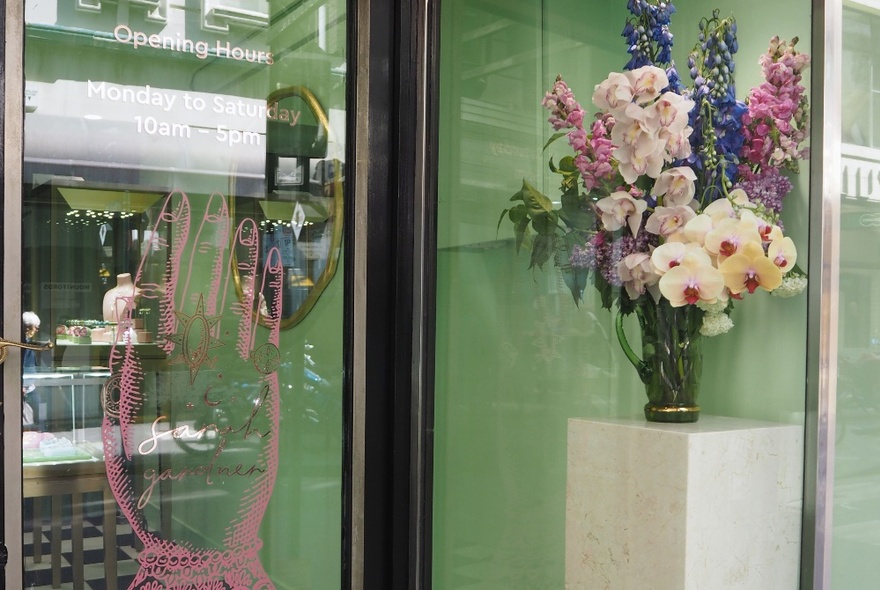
{"x": 647, "y": 33}
{"x": 716, "y": 120}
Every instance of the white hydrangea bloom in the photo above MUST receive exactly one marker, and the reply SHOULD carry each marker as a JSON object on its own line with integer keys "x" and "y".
{"x": 716, "y": 307}
{"x": 791, "y": 285}
{"x": 715, "y": 324}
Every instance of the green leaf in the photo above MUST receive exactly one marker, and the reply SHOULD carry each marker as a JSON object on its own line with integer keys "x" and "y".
{"x": 575, "y": 278}
{"x": 546, "y": 223}
{"x": 573, "y": 214}
{"x": 606, "y": 291}
{"x": 518, "y": 213}
{"x": 627, "y": 305}
{"x": 572, "y": 239}
{"x": 553, "y": 138}
{"x": 535, "y": 200}
{"x": 521, "y": 230}
{"x": 542, "y": 249}
{"x": 500, "y": 219}
{"x": 519, "y": 216}
{"x": 566, "y": 164}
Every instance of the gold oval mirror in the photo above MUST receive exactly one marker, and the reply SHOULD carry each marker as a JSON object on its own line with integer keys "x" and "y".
{"x": 298, "y": 208}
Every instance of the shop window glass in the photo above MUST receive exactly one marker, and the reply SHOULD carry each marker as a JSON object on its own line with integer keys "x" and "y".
{"x": 519, "y": 363}
{"x": 855, "y": 480}
{"x": 182, "y": 216}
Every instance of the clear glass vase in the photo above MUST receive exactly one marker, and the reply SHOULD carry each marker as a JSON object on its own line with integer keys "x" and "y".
{"x": 672, "y": 359}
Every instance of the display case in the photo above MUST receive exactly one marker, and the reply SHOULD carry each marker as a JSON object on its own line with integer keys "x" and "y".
{"x": 83, "y": 243}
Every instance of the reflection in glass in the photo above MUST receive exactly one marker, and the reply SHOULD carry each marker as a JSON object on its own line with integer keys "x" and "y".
{"x": 300, "y": 212}
{"x": 855, "y": 542}
{"x": 130, "y": 106}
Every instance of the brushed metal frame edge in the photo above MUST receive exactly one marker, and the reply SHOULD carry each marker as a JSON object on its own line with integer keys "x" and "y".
{"x": 823, "y": 293}
{"x": 420, "y": 445}
{"x": 13, "y": 145}
{"x": 359, "y": 295}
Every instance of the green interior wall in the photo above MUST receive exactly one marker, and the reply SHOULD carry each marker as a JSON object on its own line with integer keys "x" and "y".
{"x": 515, "y": 357}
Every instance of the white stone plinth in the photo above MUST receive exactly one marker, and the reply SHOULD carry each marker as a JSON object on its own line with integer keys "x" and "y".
{"x": 714, "y": 505}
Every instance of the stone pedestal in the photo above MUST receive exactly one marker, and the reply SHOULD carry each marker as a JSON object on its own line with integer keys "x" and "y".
{"x": 714, "y": 504}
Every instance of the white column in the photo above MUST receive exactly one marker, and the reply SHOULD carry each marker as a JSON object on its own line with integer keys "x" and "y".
{"x": 714, "y": 504}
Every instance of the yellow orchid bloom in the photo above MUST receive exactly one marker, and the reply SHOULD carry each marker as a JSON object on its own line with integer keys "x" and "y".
{"x": 691, "y": 281}
{"x": 782, "y": 253}
{"x": 697, "y": 228}
{"x": 730, "y": 235}
{"x": 669, "y": 255}
{"x": 749, "y": 269}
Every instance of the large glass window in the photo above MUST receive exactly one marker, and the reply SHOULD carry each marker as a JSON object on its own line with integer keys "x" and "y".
{"x": 545, "y": 466}
{"x": 182, "y": 219}
{"x": 855, "y": 511}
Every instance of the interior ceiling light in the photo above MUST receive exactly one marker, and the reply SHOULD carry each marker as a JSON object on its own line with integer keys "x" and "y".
{"x": 88, "y": 202}
{"x": 316, "y": 209}
{"x": 103, "y": 199}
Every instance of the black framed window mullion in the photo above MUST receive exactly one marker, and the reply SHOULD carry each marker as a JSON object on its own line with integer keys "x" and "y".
{"x": 389, "y": 317}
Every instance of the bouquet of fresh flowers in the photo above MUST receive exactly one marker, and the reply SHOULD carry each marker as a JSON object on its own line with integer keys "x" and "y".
{"x": 672, "y": 195}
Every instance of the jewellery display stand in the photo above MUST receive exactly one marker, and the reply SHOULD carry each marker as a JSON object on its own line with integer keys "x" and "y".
{"x": 712, "y": 504}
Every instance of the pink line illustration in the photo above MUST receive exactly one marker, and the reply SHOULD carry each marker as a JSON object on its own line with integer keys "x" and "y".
{"x": 229, "y": 434}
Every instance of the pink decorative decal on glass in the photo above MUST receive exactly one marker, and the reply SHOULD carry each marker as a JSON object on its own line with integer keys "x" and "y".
{"x": 191, "y": 422}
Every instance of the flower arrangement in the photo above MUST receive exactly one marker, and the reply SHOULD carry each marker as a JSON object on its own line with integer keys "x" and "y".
{"x": 672, "y": 196}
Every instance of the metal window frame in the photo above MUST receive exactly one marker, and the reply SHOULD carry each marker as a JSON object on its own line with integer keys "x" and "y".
{"x": 824, "y": 263}
{"x": 12, "y": 92}
{"x": 392, "y": 290}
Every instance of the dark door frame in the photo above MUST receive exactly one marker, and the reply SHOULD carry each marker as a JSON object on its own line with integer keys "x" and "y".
{"x": 389, "y": 278}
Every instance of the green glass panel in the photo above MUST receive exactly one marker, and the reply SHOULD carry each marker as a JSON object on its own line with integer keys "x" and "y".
{"x": 182, "y": 210}
{"x": 854, "y": 540}
{"x": 516, "y": 358}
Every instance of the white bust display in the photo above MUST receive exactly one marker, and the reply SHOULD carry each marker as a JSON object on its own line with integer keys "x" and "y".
{"x": 120, "y": 300}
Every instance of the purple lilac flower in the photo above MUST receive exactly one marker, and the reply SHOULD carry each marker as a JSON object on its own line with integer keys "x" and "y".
{"x": 604, "y": 251}
{"x": 583, "y": 256}
{"x": 767, "y": 188}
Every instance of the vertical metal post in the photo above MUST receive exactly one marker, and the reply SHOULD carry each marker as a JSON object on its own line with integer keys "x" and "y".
{"x": 358, "y": 280}
{"x": 11, "y": 85}
{"x": 825, "y": 193}
{"x": 425, "y": 17}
